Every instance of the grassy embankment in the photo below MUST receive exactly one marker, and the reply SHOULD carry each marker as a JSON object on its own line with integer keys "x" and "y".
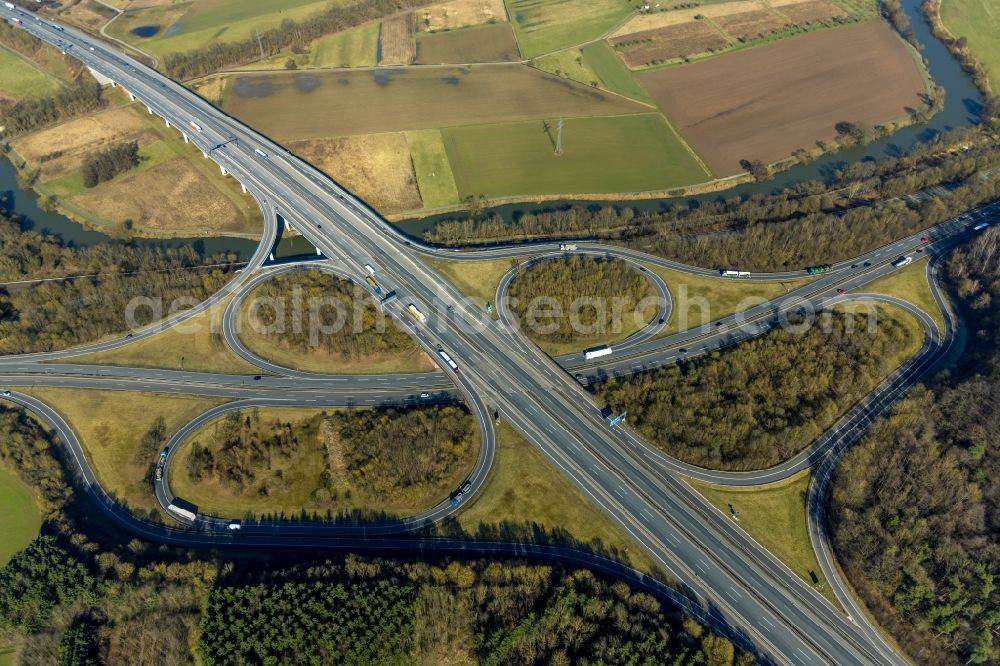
{"x": 979, "y": 22}
{"x": 110, "y": 425}
{"x": 22, "y": 79}
{"x": 524, "y": 489}
{"x": 774, "y": 515}
{"x": 910, "y": 284}
{"x": 190, "y": 346}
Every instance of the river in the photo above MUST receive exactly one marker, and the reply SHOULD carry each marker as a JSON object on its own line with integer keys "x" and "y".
{"x": 962, "y": 107}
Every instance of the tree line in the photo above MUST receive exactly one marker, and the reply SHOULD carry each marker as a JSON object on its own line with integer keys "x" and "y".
{"x": 915, "y": 507}
{"x": 813, "y": 222}
{"x": 609, "y": 290}
{"x": 106, "y": 164}
{"x": 762, "y": 402}
{"x": 82, "y": 593}
{"x": 29, "y": 114}
{"x": 289, "y": 35}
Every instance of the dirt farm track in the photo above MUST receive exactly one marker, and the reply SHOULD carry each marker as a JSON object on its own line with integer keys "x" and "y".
{"x": 766, "y": 102}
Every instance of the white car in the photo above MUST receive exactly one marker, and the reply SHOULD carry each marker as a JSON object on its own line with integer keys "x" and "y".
{"x": 5, "y": 394}
{"x": 233, "y": 526}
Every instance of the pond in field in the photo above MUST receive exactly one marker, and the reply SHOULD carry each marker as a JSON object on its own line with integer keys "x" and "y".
{"x": 146, "y": 31}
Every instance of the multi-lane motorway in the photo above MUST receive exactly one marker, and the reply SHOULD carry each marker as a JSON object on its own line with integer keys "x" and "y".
{"x": 638, "y": 488}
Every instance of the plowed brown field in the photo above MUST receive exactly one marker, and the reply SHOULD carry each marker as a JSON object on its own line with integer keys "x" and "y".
{"x": 766, "y": 102}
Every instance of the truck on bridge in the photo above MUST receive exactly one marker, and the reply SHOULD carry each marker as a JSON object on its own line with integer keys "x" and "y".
{"x": 374, "y": 285}
{"x": 195, "y": 126}
{"x": 260, "y": 153}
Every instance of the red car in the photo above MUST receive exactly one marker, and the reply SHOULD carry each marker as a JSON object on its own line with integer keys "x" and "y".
{"x": 925, "y": 239}
{"x": 840, "y": 291}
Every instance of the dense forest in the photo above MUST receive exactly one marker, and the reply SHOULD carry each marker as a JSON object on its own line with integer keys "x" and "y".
{"x": 83, "y": 594}
{"x": 577, "y": 297}
{"x": 915, "y": 508}
{"x": 289, "y": 35}
{"x": 350, "y": 328}
{"x": 380, "y": 453}
{"x": 760, "y": 403}
{"x": 61, "y": 313}
{"x": 106, "y": 164}
{"x": 807, "y": 224}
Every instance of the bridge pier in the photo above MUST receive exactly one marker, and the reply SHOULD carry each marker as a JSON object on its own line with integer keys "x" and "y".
{"x": 318, "y": 253}
{"x": 131, "y": 96}
{"x": 288, "y": 225}
{"x": 204, "y": 154}
{"x": 186, "y": 139}
{"x": 223, "y": 170}
{"x": 149, "y": 109}
{"x": 243, "y": 187}
{"x": 166, "y": 122}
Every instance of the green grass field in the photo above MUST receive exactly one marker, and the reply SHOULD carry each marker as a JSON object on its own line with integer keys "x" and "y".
{"x": 343, "y": 103}
{"x": 493, "y": 42}
{"x": 979, "y": 22}
{"x": 188, "y": 26}
{"x": 19, "y": 515}
{"x": 569, "y": 63}
{"x": 633, "y": 153}
{"x": 110, "y": 425}
{"x": 910, "y": 284}
{"x": 774, "y": 515}
{"x": 612, "y": 72}
{"x": 430, "y": 163}
{"x": 21, "y": 79}
{"x": 476, "y": 279}
{"x": 352, "y": 48}
{"x": 543, "y": 26}
{"x": 150, "y": 155}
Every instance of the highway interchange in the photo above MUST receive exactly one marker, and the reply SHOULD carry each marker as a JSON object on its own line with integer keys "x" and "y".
{"x": 728, "y": 578}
